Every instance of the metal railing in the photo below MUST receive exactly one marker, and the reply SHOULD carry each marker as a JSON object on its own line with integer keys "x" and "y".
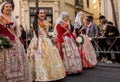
{"x": 114, "y": 43}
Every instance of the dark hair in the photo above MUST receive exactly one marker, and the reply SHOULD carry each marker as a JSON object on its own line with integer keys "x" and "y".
{"x": 7, "y": 2}
{"x": 102, "y": 17}
{"x": 89, "y": 18}
{"x": 110, "y": 23}
{"x": 110, "y": 28}
{"x": 35, "y": 22}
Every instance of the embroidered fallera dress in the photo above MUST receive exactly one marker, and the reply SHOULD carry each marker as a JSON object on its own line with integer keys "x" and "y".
{"x": 87, "y": 53}
{"x": 69, "y": 53}
{"x": 13, "y": 62}
{"x": 45, "y": 61}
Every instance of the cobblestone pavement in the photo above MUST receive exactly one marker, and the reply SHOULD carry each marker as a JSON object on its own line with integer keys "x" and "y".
{"x": 101, "y": 73}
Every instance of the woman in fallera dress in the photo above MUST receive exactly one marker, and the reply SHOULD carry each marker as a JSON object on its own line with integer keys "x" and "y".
{"x": 65, "y": 41}
{"x": 45, "y": 61}
{"x": 13, "y": 61}
{"x": 87, "y": 51}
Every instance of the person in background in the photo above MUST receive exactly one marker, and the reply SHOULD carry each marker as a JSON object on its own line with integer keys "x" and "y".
{"x": 72, "y": 26}
{"x": 51, "y": 28}
{"x": 23, "y": 35}
{"x": 15, "y": 66}
{"x": 91, "y": 28}
{"x": 66, "y": 44}
{"x": 51, "y": 31}
{"x": 44, "y": 58}
{"x": 111, "y": 33}
{"x": 30, "y": 34}
{"x": 102, "y": 25}
{"x": 101, "y": 40}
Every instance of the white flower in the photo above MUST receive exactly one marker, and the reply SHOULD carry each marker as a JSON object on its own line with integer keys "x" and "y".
{"x": 51, "y": 34}
{"x": 79, "y": 39}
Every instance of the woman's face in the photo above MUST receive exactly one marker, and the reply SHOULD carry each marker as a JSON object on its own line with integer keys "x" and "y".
{"x": 83, "y": 16}
{"x": 41, "y": 14}
{"x": 7, "y": 8}
{"x": 66, "y": 18}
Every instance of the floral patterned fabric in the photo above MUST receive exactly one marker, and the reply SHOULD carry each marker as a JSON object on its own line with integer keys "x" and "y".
{"x": 71, "y": 57}
{"x": 1, "y": 65}
{"x": 14, "y": 64}
{"x": 13, "y": 61}
{"x": 69, "y": 53}
{"x": 44, "y": 59}
{"x": 88, "y": 53}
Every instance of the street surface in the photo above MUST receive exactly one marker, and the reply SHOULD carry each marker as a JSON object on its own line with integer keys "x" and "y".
{"x": 101, "y": 73}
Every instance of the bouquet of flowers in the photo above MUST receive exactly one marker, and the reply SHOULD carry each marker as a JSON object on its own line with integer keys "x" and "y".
{"x": 4, "y": 42}
{"x": 79, "y": 40}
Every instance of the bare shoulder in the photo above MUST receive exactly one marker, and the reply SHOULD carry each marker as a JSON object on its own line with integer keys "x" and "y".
{"x": 46, "y": 22}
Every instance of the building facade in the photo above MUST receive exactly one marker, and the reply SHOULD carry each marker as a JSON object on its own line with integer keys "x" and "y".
{"x": 111, "y": 9}
{"x": 25, "y": 9}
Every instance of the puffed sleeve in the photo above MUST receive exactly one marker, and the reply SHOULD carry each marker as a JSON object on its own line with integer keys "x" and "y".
{"x": 60, "y": 33}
